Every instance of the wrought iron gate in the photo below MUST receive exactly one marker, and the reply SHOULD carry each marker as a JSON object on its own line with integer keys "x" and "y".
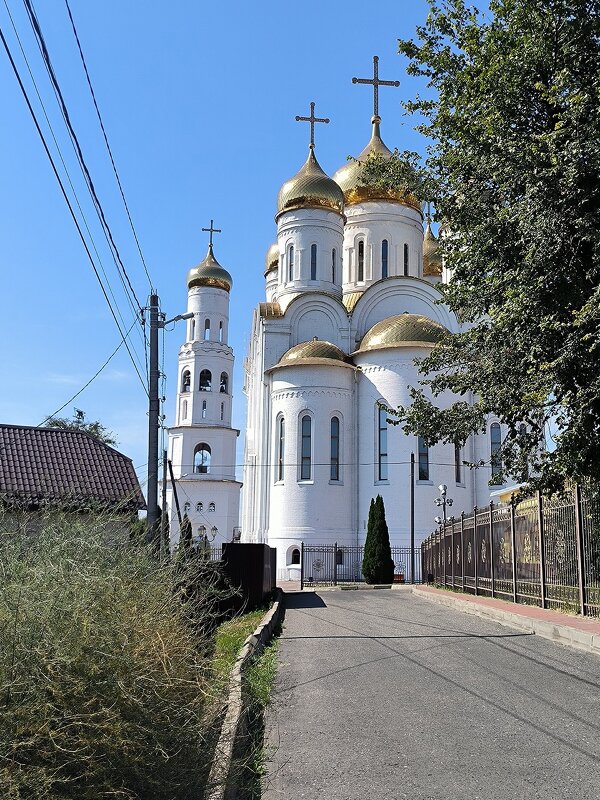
{"x": 329, "y": 565}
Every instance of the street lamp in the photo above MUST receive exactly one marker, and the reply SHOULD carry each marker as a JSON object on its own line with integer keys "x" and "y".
{"x": 441, "y": 502}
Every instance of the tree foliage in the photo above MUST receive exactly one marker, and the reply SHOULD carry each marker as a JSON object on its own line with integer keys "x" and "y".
{"x": 515, "y": 168}
{"x": 377, "y": 565}
{"x": 79, "y": 423}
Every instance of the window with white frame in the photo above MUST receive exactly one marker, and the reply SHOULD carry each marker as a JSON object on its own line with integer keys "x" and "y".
{"x": 495, "y": 453}
{"x": 382, "y": 445}
{"x": 313, "y": 262}
{"x": 384, "y": 258}
{"x": 334, "y": 462}
{"x": 280, "y": 448}
{"x": 423, "y": 449}
{"x": 306, "y": 448}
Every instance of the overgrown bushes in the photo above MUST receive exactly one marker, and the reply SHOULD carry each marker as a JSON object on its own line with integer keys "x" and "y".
{"x": 105, "y": 689}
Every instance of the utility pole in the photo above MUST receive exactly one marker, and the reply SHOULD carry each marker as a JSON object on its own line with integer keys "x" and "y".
{"x": 412, "y": 519}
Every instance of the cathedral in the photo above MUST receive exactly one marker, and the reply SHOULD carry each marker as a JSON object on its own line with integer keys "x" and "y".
{"x": 351, "y": 301}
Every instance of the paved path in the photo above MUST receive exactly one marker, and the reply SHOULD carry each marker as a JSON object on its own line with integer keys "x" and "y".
{"x": 382, "y": 694}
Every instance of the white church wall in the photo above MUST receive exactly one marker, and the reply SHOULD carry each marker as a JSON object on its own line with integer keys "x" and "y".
{"x": 209, "y": 303}
{"x": 318, "y": 315}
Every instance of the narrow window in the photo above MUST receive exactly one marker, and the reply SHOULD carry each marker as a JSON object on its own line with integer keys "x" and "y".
{"x": 186, "y": 507}
{"x": 291, "y": 263}
{"x": 212, "y": 507}
{"x": 361, "y": 261}
{"x": 186, "y": 380}
{"x": 334, "y": 470}
{"x": 205, "y": 380}
{"x": 204, "y": 409}
{"x": 224, "y": 383}
{"x": 220, "y": 331}
{"x": 423, "y": 460}
{"x": 206, "y": 329}
{"x": 306, "y": 460}
{"x": 382, "y": 455}
{"x": 313, "y": 262}
{"x": 384, "y": 258}
{"x": 495, "y": 456}
{"x": 280, "y": 448}
{"x": 457, "y": 463}
{"x": 184, "y": 412}
{"x": 222, "y": 410}
{"x": 192, "y": 329}
{"x": 202, "y": 458}
{"x": 199, "y": 507}
{"x": 295, "y": 556}
{"x": 333, "y": 265}
{"x": 339, "y": 557}
{"x": 406, "y": 259}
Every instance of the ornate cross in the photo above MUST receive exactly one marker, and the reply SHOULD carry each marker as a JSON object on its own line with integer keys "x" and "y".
{"x": 312, "y": 119}
{"x": 212, "y": 230}
{"x": 376, "y": 83}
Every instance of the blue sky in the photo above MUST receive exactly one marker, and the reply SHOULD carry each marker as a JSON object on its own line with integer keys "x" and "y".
{"x": 198, "y": 100}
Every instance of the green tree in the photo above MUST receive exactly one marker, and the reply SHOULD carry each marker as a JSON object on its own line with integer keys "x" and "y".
{"x": 377, "y": 565}
{"x": 515, "y": 167}
{"x": 79, "y": 423}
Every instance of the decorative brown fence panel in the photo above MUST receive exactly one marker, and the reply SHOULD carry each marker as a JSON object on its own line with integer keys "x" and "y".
{"x": 542, "y": 551}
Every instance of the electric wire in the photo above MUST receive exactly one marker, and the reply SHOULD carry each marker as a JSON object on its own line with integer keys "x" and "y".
{"x": 93, "y": 378}
{"x": 65, "y": 168}
{"x": 68, "y": 202}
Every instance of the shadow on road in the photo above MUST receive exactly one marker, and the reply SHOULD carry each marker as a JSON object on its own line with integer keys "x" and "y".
{"x": 304, "y": 600}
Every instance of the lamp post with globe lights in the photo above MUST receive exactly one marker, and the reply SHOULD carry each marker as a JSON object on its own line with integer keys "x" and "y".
{"x": 442, "y": 502}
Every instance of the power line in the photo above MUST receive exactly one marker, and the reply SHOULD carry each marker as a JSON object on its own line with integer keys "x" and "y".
{"x": 68, "y": 202}
{"x": 93, "y": 378}
{"x": 112, "y": 161}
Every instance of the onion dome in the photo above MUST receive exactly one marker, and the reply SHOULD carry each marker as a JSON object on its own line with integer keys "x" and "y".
{"x": 310, "y": 188}
{"x": 316, "y": 351}
{"x": 432, "y": 258}
{"x": 210, "y": 273}
{"x": 272, "y": 258}
{"x": 350, "y": 179}
{"x": 403, "y": 330}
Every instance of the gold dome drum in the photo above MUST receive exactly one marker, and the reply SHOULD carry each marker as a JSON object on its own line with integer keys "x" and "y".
{"x": 403, "y": 330}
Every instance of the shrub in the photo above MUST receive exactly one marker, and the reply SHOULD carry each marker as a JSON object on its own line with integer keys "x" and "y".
{"x": 377, "y": 566}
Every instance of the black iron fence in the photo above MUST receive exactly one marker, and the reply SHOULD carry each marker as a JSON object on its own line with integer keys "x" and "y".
{"x": 329, "y": 565}
{"x": 543, "y": 551}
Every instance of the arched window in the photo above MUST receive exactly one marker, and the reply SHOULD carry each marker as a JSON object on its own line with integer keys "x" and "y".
{"x": 184, "y": 410}
{"x": 224, "y": 383}
{"x": 423, "y": 460}
{"x": 186, "y": 380}
{"x": 205, "y": 380}
{"x": 334, "y": 464}
{"x": 199, "y": 507}
{"x": 495, "y": 455}
{"x": 280, "y": 448}
{"x": 291, "y": 262}
{"x": 360, "y": 272}
{"x": 222, "y": 410}
{"x": 382, "y": 446}
{"x": 212, "y": 507}
{"x": 306, "y": 448}
{"x": 204, "y": 409}
{"x": 406, "y": 259}
{"x": 202, "y": 458}
{"x": 192, "y": 329}
{"x": 206, "y": 329}
{"x": 457, "y": 463}
{"x": 333, "y": 265}
{"x": 186, "y": 507}
{"x": 295, "y": 556}
{"x": 384, "y": 258}
{"x": 221, "y": 331}
{"x": 313, "y": 262}
{"x": 339, "y": 557}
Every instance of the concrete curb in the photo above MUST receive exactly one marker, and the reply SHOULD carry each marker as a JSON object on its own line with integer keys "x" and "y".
{"x": 222, "y": 780}
{"x": 548, "y": 629}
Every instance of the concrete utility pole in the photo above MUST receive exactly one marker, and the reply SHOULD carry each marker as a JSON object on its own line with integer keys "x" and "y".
{"x": 152, "y": 532}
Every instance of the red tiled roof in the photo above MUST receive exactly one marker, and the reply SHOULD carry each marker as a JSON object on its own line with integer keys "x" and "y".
{"x": 49, "y": 466}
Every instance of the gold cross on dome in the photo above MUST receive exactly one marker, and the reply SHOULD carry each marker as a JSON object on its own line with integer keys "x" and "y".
{"x": 376, "y": 83}
{"x": 312, "y": 119}
{"x": 212, "y": 230}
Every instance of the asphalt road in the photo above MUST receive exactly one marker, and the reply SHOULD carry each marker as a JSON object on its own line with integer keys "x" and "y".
{"x": 381, "y": 694}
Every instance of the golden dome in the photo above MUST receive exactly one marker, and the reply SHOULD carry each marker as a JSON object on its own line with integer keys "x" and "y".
{"x": 310, "y": 188}
{"x": 210, "y": 273}
{"x": 432, "y": 258}
{"x": 272, "y": 258}
{"x": 317, "y": 351}
{"x": 349, "y": 177}
{"x": 403, "y": 330}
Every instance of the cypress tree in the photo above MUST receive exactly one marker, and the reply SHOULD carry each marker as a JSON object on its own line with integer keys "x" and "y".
{"x": 377, "y": 566}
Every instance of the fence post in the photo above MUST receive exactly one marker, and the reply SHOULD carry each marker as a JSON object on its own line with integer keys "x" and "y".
{"x": 462, "y": 550}
{"x": 475, "y": 549}
{"x": 452, "y": 553}
{"x": 492, "y": 575}
{"x": 581, "y": 572}
{"x": 542, "y": 553}
{"x": 335, "y": 564}
{"x": 513, "y": 546}
{"x": 301, "y": 566}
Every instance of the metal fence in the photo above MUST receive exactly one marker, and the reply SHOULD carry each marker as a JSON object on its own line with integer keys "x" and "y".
{"x": 329, "y": 565}
{"x": 543, "y": 551}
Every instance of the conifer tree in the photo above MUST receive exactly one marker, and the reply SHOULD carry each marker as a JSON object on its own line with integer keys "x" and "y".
{"x": 377, "y": 566}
